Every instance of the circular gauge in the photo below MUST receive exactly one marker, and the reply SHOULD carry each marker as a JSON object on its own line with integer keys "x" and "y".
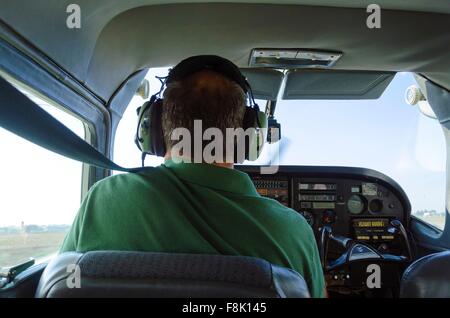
{"x": 308, "y": 217}
{"x": 356, "y": 204}
{"x": 375, "y": 206}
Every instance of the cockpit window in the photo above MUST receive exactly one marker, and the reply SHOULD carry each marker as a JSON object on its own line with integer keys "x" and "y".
{"x": 40, "y": 194}
{"x": 386, "y": 134}
{"x": 125, "y": 151}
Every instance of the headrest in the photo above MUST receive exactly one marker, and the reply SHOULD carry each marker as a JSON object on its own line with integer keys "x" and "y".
{"x": 160, "y": 275}
{"x": 427, "y": 277}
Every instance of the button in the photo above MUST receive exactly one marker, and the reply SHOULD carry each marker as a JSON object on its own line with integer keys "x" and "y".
{"x": 329, "y": 216}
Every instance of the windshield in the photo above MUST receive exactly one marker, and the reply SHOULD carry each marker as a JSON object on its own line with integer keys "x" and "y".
{"x": 385, "y": 134}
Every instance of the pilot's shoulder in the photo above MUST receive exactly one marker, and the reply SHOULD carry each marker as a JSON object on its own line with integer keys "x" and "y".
{"x": 295, "y": 218}
{"x": 291, "y": 227}
{"x": 126, "y": 181}
{"x": 286, "y": 216}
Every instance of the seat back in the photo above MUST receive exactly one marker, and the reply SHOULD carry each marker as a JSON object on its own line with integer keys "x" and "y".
{"x": 428, "y": 277}
{"x": 160, "y": 275}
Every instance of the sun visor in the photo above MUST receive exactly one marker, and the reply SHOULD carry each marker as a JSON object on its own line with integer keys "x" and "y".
{"x": 336, "y": 84}
{"x": 439, "y": 100}
{"x": 265, "y": 83}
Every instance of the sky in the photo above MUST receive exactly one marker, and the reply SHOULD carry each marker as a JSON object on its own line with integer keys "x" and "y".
{"x": 387, "y": 135}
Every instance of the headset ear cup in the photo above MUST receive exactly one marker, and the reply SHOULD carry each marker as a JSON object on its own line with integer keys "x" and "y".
{"x": 150, "y": 136}
{"x": 263, "y": 125}
{"x": 257, "y": 122}
{"x": 158, "y": 144}
{"x": 143, "y": 128}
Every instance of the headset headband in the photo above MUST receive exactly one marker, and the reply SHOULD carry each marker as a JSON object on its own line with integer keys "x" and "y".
{"x": 149, "y": 132}
{"x": 213, "y": 63}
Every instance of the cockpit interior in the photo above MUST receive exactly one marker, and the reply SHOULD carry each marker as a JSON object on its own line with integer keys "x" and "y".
{"x": 356, "y": 93}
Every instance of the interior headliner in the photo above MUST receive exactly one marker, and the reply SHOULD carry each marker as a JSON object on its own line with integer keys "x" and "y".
{"x": 117, "y": 38}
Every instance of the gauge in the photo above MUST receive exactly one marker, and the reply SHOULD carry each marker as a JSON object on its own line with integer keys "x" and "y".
{"x": 356, "y": 204}
{"x": 376, "y": 206}
{"x": 309, "y": 217}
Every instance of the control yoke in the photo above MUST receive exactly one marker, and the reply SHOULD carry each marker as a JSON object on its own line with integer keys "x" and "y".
{"x": 355, "y": 250}
{"x": 401, "y": 231}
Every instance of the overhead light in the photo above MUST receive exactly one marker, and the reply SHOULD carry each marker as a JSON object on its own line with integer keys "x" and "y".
{"x": 414, "y": 96}
{"x": 293, "y": 58}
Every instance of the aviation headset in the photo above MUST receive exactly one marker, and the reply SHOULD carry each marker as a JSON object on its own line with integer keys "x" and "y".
{"x": 149, "y": 134}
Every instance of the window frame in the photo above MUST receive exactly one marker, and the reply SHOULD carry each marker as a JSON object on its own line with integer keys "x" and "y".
{"x": 85, "y": 130}
{"x": 37, "y": 74}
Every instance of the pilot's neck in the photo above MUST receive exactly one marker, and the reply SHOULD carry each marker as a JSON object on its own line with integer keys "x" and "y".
{"x": 228, "y": 165}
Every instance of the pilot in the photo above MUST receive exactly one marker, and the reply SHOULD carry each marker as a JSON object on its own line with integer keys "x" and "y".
{"x": 198, "y": 208}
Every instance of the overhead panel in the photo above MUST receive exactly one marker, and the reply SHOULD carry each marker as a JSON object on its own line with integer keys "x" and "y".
{"x": 336, "y": 84}
{"x": 265, "y": 83}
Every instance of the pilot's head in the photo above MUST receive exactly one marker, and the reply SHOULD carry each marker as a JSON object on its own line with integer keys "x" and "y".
{"x": 207, "y": 96}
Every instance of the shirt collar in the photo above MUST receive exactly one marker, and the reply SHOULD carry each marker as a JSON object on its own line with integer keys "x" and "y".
{"x": 214, "y": 177}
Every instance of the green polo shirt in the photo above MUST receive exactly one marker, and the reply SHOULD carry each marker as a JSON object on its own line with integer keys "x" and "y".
{"x": 194, "y": 208}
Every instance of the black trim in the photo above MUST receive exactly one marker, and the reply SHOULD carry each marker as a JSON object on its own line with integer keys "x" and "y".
{"x": 119, "y": 102}
{"x": 25, "y": 284}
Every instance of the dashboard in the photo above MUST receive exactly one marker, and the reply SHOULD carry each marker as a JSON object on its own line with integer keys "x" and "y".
{"x": 356, "y": 203}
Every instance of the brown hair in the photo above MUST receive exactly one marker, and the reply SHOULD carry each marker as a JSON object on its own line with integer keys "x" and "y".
{"x": 207, "y": 96}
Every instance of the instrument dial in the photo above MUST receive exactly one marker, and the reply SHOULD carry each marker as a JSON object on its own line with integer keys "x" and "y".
{"x": 356, "y": 204}
{"x": 376, "y": 206}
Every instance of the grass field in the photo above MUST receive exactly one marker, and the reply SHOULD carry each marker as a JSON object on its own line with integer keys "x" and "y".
{"x": 436, "y": 220}
{"x": 16, "y": 248}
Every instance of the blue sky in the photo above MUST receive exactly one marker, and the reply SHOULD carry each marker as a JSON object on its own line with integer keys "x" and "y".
{"x": 387, "y": 135}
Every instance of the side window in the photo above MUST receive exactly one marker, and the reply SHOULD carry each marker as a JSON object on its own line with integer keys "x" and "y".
{"x": 429, "y": 190}
{"x": 40, "y": 194}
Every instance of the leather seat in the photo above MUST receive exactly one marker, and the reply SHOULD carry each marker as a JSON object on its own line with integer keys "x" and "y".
{"x": 428, "y": 277}
{"x": 159, "y": 275}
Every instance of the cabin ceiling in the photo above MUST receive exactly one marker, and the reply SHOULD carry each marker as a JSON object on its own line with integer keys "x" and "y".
{"x": 118, "y": 38}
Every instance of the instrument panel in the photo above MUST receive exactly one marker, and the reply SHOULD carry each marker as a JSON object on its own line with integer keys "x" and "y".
{"x": 355, "y": 202}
